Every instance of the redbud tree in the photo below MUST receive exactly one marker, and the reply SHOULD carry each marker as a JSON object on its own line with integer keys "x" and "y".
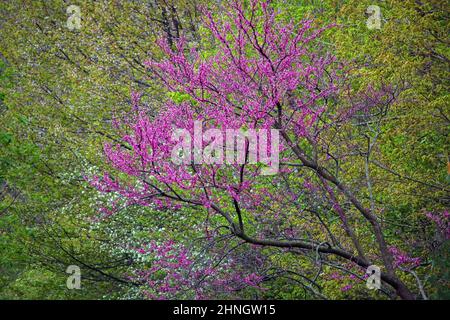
{"x": 261, "y": 72}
